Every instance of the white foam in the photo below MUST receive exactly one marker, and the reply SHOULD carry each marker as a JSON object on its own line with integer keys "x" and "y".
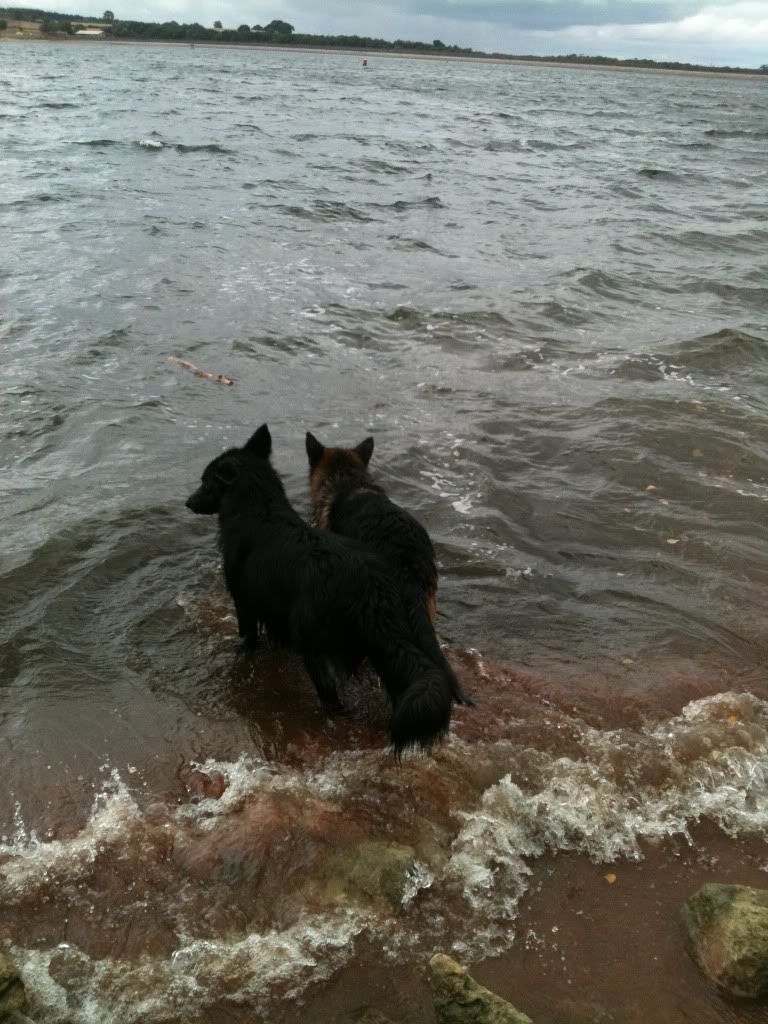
{"x": 154, "y": 990}
{"x": 463, "y": 505}
{"x": 591, "y": 807}
{"x": 615, "y": 790}
{"x": 32, "y": 860}
{"x": 419, "y": 877}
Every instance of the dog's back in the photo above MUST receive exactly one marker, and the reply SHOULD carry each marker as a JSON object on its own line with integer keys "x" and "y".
{"x": 347, "y": 501}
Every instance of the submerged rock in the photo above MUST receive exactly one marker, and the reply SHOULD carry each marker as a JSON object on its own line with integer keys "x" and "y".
{"x": 371, "y": 872}
{"x": 458, "y": 999}
{"x": 13, "y": 998}
{"x": 369, "y": 1016}
{"x": 571, "y": 1011}
{"x": 728, "y": 929}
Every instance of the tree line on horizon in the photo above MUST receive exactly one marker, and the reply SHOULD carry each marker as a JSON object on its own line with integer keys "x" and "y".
{"x": 278, "y": 32}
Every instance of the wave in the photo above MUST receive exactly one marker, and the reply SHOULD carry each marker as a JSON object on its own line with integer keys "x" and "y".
{"x": 276, "y": 841}
{"x": 568, "y": 314}
{"x": 600, "y": 282}
{"x": 727, "y": 349}
{"x": 747, "y": 241}
{"x": 248, "y": 126}
{"x": 208, "y": 147}
{"x": 727, "y": 356}
{"x": 157, "y": 144}
{"x": 41, "y": 197}
{"x": 430, "y": 203}
{"x": 326, "y": 210}
{"x": 402, "y": 242}
{"x": 658, "y": 172}
{"x": 736, "y": 133}
{"x": 654, "y": 784}
{"x": 383, "y": 166}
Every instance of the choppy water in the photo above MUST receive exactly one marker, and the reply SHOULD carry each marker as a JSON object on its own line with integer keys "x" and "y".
{"x": 546, "y": 294}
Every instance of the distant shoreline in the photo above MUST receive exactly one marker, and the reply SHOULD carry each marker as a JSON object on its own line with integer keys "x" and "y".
{"x": 392, "y": 54}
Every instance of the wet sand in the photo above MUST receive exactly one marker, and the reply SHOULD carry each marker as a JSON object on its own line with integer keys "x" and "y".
{"x": 586, "y": 951}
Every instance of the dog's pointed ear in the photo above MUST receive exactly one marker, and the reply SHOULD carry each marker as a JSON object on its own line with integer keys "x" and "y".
{"x": 315, "y": 450}
{"x": 225, "y": 471}
{"x": 365, "y": 450}
{"x": 260, "y": 443}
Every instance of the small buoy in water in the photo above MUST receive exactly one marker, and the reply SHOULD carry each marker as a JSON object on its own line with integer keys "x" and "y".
{"x": 365, "y": 62}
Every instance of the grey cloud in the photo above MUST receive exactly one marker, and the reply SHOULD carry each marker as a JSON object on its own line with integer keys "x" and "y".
{"x": 512, "y": 26}
{"x": 542, "y": 15}
{"x": 554, "y": 15}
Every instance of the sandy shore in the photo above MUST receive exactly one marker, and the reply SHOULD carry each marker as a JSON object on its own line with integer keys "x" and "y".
{"x": 373, "y": 55}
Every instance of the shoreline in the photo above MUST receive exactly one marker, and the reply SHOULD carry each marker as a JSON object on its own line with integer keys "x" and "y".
{"x": 393, "y": 54}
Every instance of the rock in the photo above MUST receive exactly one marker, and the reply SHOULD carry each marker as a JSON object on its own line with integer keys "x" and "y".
{"x": 370, "y": 872}
{"x": 70, "y": 968}
{"x": 728, "y": 929}
{"x": 458, "y": 999}
{"x": 201, "y": 785}
{"x": 12, "y": 994}
{"x": 570, "y": 1011}
{"x": 369, "y": 1016}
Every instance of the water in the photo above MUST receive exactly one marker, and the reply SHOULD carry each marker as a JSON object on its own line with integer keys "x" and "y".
{"x": 544, "y": 292}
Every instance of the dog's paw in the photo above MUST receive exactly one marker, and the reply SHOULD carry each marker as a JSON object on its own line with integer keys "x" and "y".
{"x": 247, "y": 645}
{"x": 335, "y": 709}
{"x": 465, "y": 702}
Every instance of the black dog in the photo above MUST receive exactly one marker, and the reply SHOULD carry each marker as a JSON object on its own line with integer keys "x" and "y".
{"x": 322, "y": 595}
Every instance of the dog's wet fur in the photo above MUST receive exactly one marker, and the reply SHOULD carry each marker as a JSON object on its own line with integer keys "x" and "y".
{"x": 326, "y": 596}
{"x": 347, "y": 501}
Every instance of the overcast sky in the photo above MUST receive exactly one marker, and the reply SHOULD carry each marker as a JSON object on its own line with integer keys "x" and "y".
{"x": 723, "y": 32}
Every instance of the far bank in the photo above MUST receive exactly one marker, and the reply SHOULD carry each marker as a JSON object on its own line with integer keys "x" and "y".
{"x": 372, "y": 55}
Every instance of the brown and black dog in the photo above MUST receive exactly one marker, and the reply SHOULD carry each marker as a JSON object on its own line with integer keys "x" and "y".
{"x": 346, "y": 500}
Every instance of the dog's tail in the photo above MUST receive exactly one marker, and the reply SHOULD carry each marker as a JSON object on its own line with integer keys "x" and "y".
{"x": 421, "y": 692}
{"x": 425, "y": 638}
{"x": 422, "y": 714}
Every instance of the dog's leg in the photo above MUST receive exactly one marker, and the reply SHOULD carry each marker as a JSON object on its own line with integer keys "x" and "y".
{"x": 242, "y": 629}
{"x": 323, "y": 674}
{"x": 250, "y": 643}
{"x": 461, "y": 698}
{"x": 250, "y": 639}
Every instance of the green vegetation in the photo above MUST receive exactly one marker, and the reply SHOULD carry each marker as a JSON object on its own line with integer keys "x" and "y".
{"x": 49, "y": 26}
{"x": 276, "y": 32}
{"x": 3, "y": 24}
{"x": 282, "y": 33}
{"x": 626, "y": 62}
{"x": 33, "y": 14}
